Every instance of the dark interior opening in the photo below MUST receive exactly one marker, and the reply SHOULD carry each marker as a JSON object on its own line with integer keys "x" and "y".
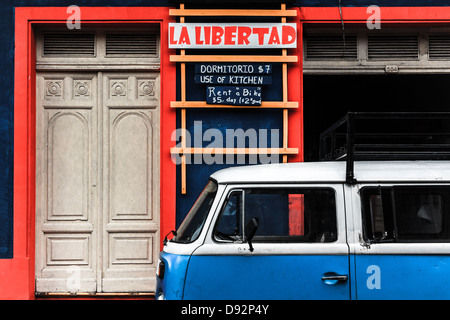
{"x": 327, "y": 98}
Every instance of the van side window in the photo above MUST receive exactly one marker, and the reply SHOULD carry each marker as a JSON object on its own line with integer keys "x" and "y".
{"x": 229, "y": 226}
{"x": 406, "y": 214}
{"x": 284, "y": 215}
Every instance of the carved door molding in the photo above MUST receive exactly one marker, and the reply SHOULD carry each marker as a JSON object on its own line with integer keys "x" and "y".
{"x": 97, "y": 180}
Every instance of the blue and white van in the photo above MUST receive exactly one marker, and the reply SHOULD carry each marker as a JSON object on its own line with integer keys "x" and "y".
{"x": 299, "y": 231}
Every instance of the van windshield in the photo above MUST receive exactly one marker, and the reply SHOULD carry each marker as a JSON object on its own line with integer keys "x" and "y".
{"x": 192, "y": 225}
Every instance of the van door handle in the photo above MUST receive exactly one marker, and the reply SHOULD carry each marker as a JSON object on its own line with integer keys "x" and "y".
{"x": 334, "y": 278}
{"x": 337, "y": 277}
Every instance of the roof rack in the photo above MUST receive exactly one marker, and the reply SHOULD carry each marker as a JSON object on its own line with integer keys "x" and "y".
{"x": 386, "y": 136}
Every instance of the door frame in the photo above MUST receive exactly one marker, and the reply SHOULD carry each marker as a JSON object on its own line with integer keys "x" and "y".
{"x": 21, "y": 269}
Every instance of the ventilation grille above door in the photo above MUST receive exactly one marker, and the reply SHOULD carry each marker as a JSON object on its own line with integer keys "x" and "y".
{"x": 398, "y": 47}
{"x": 322, "y": 47}
{"x": 69, "y": 43}
{"x": 388, "y": 50}
{"x": 115, "y": 47}
{"x": 131, "y": 44}
{"x": 439, "y": 47}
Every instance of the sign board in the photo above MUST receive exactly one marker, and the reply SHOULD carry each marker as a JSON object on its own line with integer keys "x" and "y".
{"x": 238, "y": 96}
{"x": 232, "y": 35}
{"x": 232, "y": 79}
{"x": 235, "y": 74}
{"x": 233, "y": 68}
{"x": 240, "y": 77}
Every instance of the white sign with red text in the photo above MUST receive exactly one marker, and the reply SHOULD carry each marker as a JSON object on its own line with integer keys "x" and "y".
{"x": 232, "y": 35}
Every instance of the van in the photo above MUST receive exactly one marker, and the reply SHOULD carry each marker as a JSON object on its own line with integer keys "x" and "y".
{"x": 302, "y": 231}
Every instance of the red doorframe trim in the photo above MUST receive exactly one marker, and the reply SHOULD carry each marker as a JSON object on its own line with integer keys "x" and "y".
{"x": 388, "y": 14}
{"x": 17, "y": 275}
{"x": 295, "y": 93}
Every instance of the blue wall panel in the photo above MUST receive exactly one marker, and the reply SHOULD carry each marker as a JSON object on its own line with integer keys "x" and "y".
{"x": 6, "y": 128}
{"x": 198, "y": 174}
{"x": 223, "y": 119}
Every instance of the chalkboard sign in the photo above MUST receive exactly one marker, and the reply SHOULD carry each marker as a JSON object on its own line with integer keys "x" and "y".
{"x": 246, "y": 79}
{"x": 233, "y": 68}
{"x": 238, "y": 96}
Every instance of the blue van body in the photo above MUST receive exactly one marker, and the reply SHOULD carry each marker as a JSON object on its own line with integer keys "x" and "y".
{"x": 258, "y": 277}
{"x": 385, "y": 237}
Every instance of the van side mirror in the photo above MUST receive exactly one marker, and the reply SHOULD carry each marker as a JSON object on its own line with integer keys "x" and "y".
{"x": 250, "y": 230}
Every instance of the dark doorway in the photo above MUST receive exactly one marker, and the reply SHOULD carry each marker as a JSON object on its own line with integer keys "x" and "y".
{"x": 327, "y": 98}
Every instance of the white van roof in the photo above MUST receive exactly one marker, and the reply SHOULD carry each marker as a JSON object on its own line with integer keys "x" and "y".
{"x": 365, "y": 171}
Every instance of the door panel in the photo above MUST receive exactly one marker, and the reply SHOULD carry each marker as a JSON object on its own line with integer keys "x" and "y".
{"x": 131, "y": 181}
{"x": 400, "y": 276}
{"x": 130, "y": 167}
{"x": 66, "y": 244}
{"x": 97, "y": 178}
{"x": 68, "y": 153}
{"x": 266, "y": 277}
{"x": 402, "y": 249}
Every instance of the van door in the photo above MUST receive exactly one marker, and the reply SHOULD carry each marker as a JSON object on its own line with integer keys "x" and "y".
{"x": 404, "y": 244}
{"x": 299, "y": 250}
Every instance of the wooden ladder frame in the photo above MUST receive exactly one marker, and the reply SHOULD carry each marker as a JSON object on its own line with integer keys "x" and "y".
{"x": 183, "y": 58}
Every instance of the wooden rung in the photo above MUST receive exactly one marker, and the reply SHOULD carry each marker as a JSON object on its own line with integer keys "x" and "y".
{"x": 264, "y": 105}
{"x": 232, "y": 13}
{"x": 217, "y": 58}
{"x": 177, "y": 150}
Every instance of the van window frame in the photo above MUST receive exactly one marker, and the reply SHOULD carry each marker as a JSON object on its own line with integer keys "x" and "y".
{"x": 222, "y": 208}
{"x": 276, "y": 239}
{"x": 191, "y": 215}
{"x": 393, "y": 215}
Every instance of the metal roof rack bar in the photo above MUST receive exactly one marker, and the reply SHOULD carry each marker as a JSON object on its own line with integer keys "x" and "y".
{"x": 386, "y": 136}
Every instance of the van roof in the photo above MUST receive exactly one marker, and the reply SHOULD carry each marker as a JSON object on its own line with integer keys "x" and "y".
{"x": 316, "y": 172}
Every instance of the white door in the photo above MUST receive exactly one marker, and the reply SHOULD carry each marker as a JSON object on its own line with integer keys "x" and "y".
{"x": 97, "y": 181}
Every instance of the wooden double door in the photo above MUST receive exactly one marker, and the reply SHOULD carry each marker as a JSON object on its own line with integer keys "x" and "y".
{"x": 97, "y": 181}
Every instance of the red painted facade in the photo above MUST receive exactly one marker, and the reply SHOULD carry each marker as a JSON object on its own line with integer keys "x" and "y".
{"x": 17, "y": 275}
